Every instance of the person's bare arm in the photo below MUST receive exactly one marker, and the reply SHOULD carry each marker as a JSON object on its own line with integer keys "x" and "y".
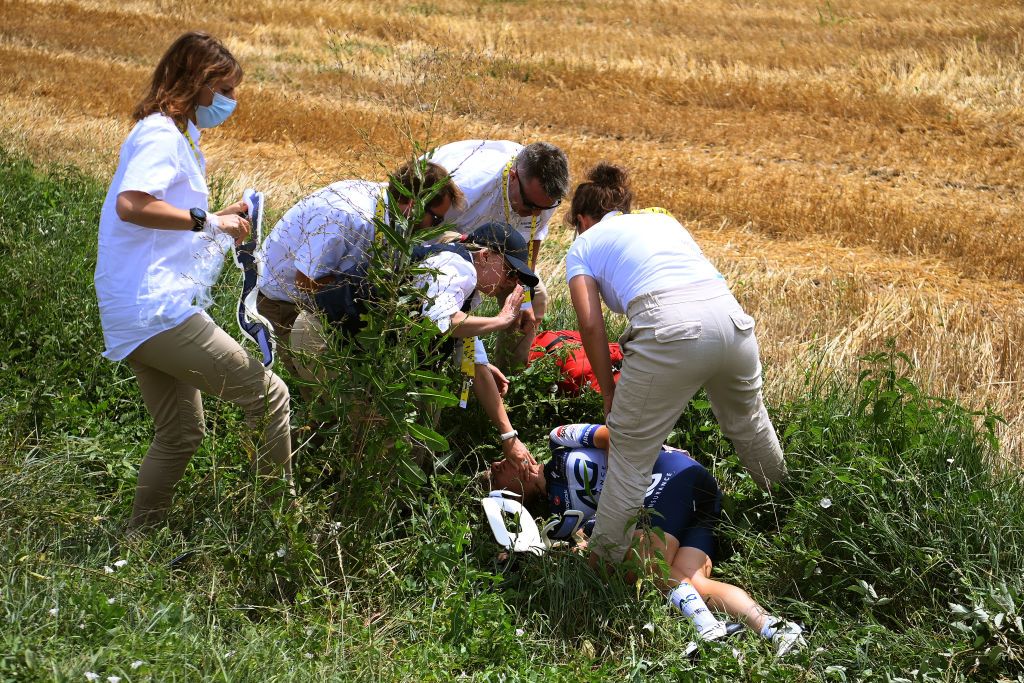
{"x": 486, "y": 391}
{"x": 145, "y": 210}
{"x": 586, "y": 299}
{"x": 238, "y": 207}
{"x": 500, "y": 380}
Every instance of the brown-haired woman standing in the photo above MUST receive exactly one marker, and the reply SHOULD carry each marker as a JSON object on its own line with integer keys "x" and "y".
{"x": 159, "y": 252}
{"x": 685, "y": 331}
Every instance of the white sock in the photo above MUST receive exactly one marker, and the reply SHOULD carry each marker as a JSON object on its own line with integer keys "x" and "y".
{"x": 687, "y": 600}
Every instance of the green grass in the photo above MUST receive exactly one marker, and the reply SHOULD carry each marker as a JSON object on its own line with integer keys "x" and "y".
{"x": 893, "y": 541}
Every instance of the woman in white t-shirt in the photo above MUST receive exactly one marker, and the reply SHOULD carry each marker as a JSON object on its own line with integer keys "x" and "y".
{"x": 160, "y": 250}
{"x": 685, "y": 331}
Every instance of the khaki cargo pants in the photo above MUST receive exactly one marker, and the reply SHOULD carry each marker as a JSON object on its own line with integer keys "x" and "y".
{"x": 677, "y": 342}
{"x": 173, "y": 368}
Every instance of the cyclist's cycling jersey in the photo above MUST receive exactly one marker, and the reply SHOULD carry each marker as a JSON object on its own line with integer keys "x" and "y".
{"x": 683, "y": 498}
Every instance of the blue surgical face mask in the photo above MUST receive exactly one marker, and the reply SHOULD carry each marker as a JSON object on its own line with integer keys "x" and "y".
{"x": 216, "y": 113}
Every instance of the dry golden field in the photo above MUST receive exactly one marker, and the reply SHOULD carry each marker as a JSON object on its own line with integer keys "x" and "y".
{"x": 852, "y": 167}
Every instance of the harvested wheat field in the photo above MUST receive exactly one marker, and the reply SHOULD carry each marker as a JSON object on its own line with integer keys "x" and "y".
{"x": 852, "y": 167}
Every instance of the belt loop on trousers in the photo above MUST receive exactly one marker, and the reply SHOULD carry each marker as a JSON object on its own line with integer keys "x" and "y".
{"x": 698, "y": 291}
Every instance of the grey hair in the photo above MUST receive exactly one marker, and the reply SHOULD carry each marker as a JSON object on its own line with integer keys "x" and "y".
{"x": 549, "y": 165}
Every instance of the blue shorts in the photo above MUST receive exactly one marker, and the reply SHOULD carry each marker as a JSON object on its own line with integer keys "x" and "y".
{"x": 689, "y": 508}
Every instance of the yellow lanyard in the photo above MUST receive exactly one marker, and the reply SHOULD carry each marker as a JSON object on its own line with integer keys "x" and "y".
{"x": 468, "y": 367}
{"x": 192, "y": 144}
{"x": 507, "y": 205}
{"x": 655, "y": 209}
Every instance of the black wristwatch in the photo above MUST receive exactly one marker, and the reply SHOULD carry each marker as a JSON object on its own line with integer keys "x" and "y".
{"x": 198, "y": 219}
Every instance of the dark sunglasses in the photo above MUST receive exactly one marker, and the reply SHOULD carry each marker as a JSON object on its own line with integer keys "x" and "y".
{"x": 526, "y": 202}
{"x": 436, "y": 219}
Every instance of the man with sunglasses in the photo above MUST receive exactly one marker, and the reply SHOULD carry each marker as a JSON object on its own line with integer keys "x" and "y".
{"x": 328, "y": 234}
{"x": 521, "y": 186}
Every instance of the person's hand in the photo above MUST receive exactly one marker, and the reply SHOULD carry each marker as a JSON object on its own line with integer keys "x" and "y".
{"x": 582, "y": 544}
{"x": 237, "y": 208}
{"x": 499, "y": 379}
{"x": 233, "y": 225}
{"x": 517, "y": 454}
{"x": 509, "y": 312}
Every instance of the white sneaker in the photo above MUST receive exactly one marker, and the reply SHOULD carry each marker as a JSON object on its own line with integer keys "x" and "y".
{"x": 716, "y": 632}
{"x": 788, "y": 638}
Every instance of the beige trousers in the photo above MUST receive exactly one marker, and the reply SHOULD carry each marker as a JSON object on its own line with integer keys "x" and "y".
{"x": 282, "y": 315}
{"x": 172, "y": 368}
{"x": 676, "y": 343}
{"x": 309, "y": 343}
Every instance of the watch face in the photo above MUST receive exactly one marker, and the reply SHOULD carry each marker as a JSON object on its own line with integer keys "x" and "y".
{"x": 198, "y": 218}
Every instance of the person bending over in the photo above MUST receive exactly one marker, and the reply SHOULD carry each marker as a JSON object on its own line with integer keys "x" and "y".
{"x": 685, "y": 331}
{"x": 489, "y": 261}
{"x": 506, "y": 182}
{"x": 682, "y": 507}
{"x": 327, "y": 236}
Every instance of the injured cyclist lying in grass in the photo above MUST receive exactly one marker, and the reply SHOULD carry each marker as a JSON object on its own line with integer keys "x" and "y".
{"x": 677, "y": 526}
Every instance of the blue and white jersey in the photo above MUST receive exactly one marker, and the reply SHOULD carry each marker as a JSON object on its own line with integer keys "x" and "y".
{"x": 575, "y": 477}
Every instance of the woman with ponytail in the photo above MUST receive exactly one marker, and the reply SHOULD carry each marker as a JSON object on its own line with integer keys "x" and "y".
{"x": 685, "y": 331}
{"x": 160, "y": 250}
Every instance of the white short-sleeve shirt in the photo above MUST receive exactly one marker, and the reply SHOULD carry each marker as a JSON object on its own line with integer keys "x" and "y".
{"x": 149, "y": 280}
{"x": 633, "y": 254}
{"x": 478, "y": 168}
{"x": 447, "y": 291}
{"x": 327, "y": 233}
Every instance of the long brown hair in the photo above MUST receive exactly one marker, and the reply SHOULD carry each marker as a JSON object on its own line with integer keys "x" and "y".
{"x": 607, "y": 188}
{"x": 192, "y": 62}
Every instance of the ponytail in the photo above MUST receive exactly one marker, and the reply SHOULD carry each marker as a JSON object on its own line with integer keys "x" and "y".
{"x": 607, "y": 188}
